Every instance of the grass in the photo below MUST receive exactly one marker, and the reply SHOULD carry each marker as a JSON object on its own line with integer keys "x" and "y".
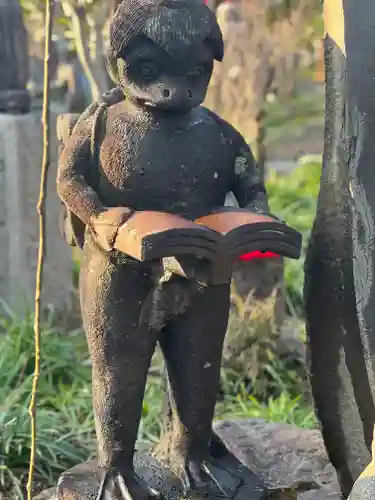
{"x": 283, "y": 409}
{"x": 65, "y": 420}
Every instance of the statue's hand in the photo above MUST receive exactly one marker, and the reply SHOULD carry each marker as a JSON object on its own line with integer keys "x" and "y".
{"x": 106, "y": 225}
{"x": 189, "y": 267}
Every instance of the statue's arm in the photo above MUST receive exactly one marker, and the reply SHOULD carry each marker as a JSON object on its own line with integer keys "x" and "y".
{"x": 247, "y": 177}
{"x": 73, "y": 174}
{"x": 75, "y": 191}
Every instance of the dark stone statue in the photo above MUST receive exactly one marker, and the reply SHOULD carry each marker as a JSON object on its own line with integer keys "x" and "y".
{"x": 14, "y": 59}
{"x": 159, "y": 149}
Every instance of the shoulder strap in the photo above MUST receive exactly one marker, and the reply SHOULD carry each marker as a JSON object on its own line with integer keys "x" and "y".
{"x": 97, "y": 133}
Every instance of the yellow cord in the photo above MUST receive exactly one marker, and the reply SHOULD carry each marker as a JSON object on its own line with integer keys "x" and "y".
{"x": 42, "y": 229}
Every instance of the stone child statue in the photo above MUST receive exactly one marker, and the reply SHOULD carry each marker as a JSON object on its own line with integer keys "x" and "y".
{"x": 159, "y": 150}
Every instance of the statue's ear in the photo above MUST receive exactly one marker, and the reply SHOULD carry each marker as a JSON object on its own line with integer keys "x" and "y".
{"x": 215, "y": 40}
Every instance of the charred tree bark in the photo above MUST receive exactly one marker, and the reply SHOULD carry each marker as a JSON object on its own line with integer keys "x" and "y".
{"x": 339, "y": 286}
{"x": 14, "y": 59}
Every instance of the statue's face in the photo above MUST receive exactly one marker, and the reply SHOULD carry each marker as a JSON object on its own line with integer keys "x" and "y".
{"x": 153, "y": 78}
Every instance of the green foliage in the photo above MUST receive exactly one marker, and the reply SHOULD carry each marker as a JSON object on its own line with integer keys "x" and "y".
{"x": 293, "y": 198}
{"x": 65, "y": 424}
{"x": 284, "y": 409}
{"x": 18, "y": 344}
{"x": 285, "y": 117}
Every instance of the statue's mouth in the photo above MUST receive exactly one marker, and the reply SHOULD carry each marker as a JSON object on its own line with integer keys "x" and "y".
{"x": 145, "y": 103}
{"x": 165, "y": 107}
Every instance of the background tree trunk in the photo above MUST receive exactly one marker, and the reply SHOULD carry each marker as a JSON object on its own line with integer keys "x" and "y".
{"x": 86, "y": 28}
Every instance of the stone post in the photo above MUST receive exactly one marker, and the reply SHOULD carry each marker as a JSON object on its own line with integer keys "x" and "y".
{"x": 20, "y": 166}
{"x": 14, "y": 98}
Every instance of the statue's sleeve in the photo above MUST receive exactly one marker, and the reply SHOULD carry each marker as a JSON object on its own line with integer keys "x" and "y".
{"x": 72, "y": 175}
{"x": 248, "y": 177}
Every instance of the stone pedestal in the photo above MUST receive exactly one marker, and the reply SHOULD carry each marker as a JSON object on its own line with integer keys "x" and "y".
{"x": 291, "y": 462}
{"x": 20, "y": 168}
{"x": 82, "y": 482}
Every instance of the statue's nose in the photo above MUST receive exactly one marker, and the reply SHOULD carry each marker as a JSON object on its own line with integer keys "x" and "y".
{"x": 168, "y": 94}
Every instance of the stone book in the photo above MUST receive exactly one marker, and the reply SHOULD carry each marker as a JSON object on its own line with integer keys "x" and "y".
{"x": 149, "y": 235}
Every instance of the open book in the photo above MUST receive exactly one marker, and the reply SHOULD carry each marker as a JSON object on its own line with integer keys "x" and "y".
{"x": 227, "y": 231}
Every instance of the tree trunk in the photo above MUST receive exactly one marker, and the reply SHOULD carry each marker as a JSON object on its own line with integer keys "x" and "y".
{"x": 339, "y": 286}
{"x": 14, "y": 98}
{"x": 94, "y": 68}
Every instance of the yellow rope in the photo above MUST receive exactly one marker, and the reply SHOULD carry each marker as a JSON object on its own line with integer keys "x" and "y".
{"x": 41, "y": 206}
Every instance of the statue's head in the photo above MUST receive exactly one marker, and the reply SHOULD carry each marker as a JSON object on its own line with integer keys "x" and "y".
{"x": 162, "y": 52}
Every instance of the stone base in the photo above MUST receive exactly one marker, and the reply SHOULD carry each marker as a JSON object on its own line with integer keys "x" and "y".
{"x": 291, "y": 462}
{"x": 82, "y": 482}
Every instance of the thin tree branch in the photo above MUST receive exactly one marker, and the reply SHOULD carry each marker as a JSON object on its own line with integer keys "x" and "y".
{"x": 41, "y": 209}
{"x": 77, "y": 16}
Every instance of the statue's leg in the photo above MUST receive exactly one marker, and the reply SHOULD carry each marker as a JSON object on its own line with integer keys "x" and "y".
{"x": 121, "y": 347}
{"x": 192, "y": 344}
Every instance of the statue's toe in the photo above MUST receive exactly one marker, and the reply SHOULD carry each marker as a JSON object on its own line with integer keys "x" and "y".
{"x": 117, "y": 486}
{"x": 208, "y": 477}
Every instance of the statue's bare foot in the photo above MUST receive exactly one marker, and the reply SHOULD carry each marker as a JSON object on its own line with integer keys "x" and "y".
{"x": 116, "y": 485}
{"x": 208, "y": 478}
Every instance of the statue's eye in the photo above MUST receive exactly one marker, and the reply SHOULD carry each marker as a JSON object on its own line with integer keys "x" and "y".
{"x": 148, "y": 71}
{"x": 198, "y": 72}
